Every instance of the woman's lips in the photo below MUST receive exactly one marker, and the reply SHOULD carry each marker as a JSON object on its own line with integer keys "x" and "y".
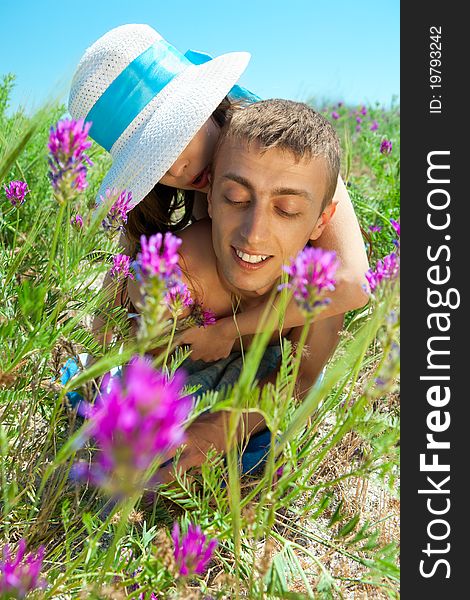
{"x": 202, "y": 180}
{"x": 247, "y": 265}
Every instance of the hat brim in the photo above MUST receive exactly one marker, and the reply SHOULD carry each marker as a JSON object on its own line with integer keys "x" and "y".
{"x": 144, "y": 154}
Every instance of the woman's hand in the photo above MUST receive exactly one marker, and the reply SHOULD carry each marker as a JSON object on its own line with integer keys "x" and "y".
{"x": 208, "y": 344}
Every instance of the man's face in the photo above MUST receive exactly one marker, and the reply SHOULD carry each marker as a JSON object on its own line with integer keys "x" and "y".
{"x": 265, "y": 207}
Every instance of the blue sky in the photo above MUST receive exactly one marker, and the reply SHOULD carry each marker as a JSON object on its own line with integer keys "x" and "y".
{"x": 342, "y": 50}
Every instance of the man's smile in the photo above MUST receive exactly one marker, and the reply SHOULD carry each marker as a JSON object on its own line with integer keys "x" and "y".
{"x": 249, "y": 260}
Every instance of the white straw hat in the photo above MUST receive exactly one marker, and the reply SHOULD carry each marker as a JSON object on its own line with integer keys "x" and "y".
{"x": 146, "y": 101}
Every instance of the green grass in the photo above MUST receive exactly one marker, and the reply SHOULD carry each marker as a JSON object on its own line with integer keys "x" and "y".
{"x": 308, "y": 533}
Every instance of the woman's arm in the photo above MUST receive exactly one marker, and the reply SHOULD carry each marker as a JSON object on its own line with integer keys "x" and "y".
{"x": 343, "y": 235}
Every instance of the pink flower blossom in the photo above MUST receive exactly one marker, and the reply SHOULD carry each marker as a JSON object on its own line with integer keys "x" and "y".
{"x": 67, "y": 158}
{"x": 121, "y": 268}
{"x": 178, "y": 298}
{"x": 159, "y": 256}
{"x": 311, "y": 274}
{"x": 387, "y": 268}
{"x": 134, "y": 421}
{"x": 192, "y": 550}
{"x": 20, "y": 575}
{"x": 201, "y": 317}
{"x": 16, "y": 191}
{"x": 396, "y": 226}
{"x": 76, "y": 221}
{"x": 117, "y": 215}
{"x": 385, "y": 146}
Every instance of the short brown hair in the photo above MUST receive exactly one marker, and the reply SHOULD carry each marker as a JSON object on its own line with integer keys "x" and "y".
{"x": 291, "y": 126}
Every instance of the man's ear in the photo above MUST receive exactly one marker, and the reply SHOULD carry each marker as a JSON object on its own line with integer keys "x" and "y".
{"x": 209, "y": 196}
{"x": 323, "y": 221}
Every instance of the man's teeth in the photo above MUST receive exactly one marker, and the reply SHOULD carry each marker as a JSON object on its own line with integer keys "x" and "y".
{"x": 251, "y": 258}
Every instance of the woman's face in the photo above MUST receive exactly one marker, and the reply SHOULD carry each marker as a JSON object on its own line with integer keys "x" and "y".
{"x": 191, "y": 169}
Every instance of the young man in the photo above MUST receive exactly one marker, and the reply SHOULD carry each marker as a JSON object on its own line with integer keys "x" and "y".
{"x": 273, "y": 179}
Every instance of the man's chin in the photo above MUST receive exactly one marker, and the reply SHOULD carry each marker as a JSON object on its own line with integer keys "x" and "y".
{"x": 248, "y": 285}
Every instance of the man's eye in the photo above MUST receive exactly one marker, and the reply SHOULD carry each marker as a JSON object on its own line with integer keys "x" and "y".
{"x": 288, "y": 215}
{"x": 234, "y": 202}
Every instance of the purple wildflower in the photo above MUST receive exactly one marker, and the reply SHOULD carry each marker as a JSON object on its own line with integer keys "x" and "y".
{"x": 312, "y": 273}
{"x": 16, "y": 191}
{"x": 358, "y": 120}
{"x": 385, "y": 146}
{"x": 371, "y": 280}
{"x": 20, "y": 575}
{"x": 192, "y": 550}
{"x": 135, "y": 420}
{"x": 208, "y": 318}
{"x": 387, "y": 268}
{"x": 121, "y": 268}
{"x": 363, "y": 110}
{"x": 159, "y": 257}
{"x": 335, "y": 115}
{"x": 375, "y": 228}
{"x": 178, "y": 298}
{"x": 158, "y": 272}
{"x": 117, "y": 215}
{"x": 67, "y": 158}
{"x": 200, "y": 317}
{"x": 76, "y": 221}
{"x": 374, "y": 125}
{"x": 396, "y": 226}
{"x": 340, "y": 104}
{"x": 358, "y": 128}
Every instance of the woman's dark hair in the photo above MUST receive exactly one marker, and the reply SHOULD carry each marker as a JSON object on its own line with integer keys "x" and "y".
{"x": 166, "y": 208}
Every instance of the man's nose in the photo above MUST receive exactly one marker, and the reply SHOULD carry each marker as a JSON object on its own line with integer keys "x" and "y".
{"x": 254, "y": 227}
{"x": 178, "y": 167}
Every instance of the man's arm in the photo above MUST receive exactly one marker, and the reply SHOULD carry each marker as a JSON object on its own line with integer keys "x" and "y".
{"x": 314, "y": 355}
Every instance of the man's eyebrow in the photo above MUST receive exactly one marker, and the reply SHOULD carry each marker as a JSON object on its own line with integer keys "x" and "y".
{"x": 280, "y": 191}
{"x": 239, "y": 179}
{"x": 291, "y": 192}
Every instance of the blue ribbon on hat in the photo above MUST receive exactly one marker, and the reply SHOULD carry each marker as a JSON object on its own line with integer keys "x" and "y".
{"x": 138, "y": 84}
{"x": 237, "y": 92}
{"x": 132, "y": 90}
